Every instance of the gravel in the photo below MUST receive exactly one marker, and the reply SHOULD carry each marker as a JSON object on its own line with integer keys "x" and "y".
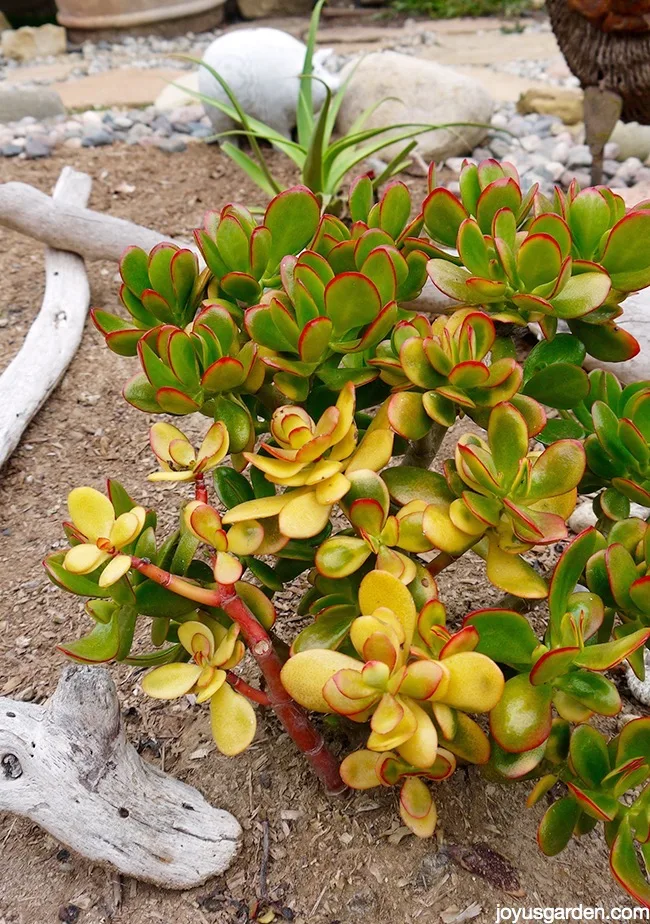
{"x": 541, "y": 147}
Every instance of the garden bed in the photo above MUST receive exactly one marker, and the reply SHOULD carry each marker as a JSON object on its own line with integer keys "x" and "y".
{"x": 329, "y": 860}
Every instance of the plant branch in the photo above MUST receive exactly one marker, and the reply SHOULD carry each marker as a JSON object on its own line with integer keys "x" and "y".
{"x": 440, "y": 562}
{"x": 292, "y": 716}
{"x": 422, "y": 452}
{"x": 200, "y": 489}
{"x": 252, "y": 693}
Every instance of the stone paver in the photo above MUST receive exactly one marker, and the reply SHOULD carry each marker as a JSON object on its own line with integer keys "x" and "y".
{"x": 129, "y": 86}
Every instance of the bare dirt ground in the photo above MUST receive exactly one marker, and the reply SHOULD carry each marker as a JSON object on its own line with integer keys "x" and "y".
{"x": 331, "y": 862}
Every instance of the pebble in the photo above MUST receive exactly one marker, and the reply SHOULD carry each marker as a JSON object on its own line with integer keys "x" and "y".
{"x": 97, "y": 138}
{"x": 10, "y": 150}
{"x": 35, "y": 147}
{"x": 172, "y": 145}
{"x": 579, "y": 156}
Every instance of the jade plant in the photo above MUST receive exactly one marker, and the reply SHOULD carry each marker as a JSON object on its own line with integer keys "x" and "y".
{"x": 327, "y": 394}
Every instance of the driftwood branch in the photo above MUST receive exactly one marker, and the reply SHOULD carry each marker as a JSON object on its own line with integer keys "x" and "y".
{"x": 65, "y": 224}
{"x": 56, "y": 332}
{"x": 68, "y": 767}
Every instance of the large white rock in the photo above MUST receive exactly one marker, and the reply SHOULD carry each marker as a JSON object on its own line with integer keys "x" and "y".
{"x": 175, "y": 97}
{"x": 262, "y": 67}
{"x": 425, "y": 92}
{"x": 636, "y": 320}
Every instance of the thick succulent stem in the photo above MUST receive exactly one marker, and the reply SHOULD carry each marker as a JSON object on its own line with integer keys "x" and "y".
{"x": 200, "y": 489}
{"x": 252, "y": 693}
{"x": 422, "y": 452}
{"x": 439, "y": 563}
{"x": 292, "y": 716}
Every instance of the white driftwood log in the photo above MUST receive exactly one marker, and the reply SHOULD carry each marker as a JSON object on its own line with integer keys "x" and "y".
{"x": 68, "y": 767}
{"x": 55, "y": 333}
{"x": 67, "y": 225}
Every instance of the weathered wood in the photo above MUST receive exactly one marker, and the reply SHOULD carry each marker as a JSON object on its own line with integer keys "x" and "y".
{"x": 55, "y": 333}
{"x": 64, "y": 223}
{"x": 68, "y": 767}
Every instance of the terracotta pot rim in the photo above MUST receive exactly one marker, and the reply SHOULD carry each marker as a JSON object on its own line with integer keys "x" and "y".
{"x": 182, "y": 8}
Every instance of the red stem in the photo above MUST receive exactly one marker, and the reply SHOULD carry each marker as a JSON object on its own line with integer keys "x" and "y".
{"x": 439, "y": 563}
{"x": 292, "y": 716}
{"x": 200, "y": 490}
{"x": 256, "y": 696}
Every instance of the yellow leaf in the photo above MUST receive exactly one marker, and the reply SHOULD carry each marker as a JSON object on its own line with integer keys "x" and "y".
{"x": 405, "y": 728}
{"x": 84, "y": 558}
{"x": 233, "y": 721}
{"x": 439, "y": 530}
{"x": 125, "y": 529}
{"x": 91, "y": 513}
{"x": 161, "y": 435}
{"x": 512, "y": 574}
{"x": 304, "y": 517}
{"x": 475, "y": 682}
{"x": 171, "y": 680}
{"x": 274, "y": 468}
{"x": 204, "y": 641}
{"x": 358, "y": 769}
{"x": 227, "y": 568}
{"x": 182, "y": 453}
{"x": 381, "y": 589}
{"x": 421, "y": 748}
{"x": 332, "y": 489}
{"x": 417, "y": 808}
{"x": 246, "y": 537}
{"x": 345, "y": 404}
{"x": 322, "y": 471}
{"x": 215, "y": 679}
{"x": 114, "y": 570}
{"x": 306, "y": 673}
{"x": 374, "y": 452}
{"x": 259, "y": 508}
{"x": 213, "y": 448}
{"x": 171, "y": 476}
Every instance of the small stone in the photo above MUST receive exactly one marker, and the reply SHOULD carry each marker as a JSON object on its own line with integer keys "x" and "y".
{"x": 628, "y": 170}
{"x": 138, "y": 132}
{"x": 181, "y": 128}
{"x": 35, "y": 148}
{"x": 173, "y": 145}
{"x": 612, "y": 151}
{"x": 499, "y": 147}
{"x": 579, "y": 156}
{"x": 72, "y": 144}
{"x": 10, "y": 150}
{"x": 90, "y": 117}
{"x": 561, "y": 152}
{"x": 555, "y": 169}
{"x": 582, "y": 517}
{"x": 201, "y": 131}
{"x": 610, "y": 167}
{"x": 581, "y": 176}
{"x": 531, "y": 142}
{"x": 122, "y": 122}
{"x": 97, "y": 138}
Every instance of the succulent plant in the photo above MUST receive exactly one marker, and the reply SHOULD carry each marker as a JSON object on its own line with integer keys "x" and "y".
{"x": 598, "y": 774}
{"x": 574, "y": 260}
{"x": 298, "y": 345}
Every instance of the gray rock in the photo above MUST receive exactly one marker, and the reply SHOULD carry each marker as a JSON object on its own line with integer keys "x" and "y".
{"x": 173, "y": 145}
{"x": 181, "y": 128}
{"x": 499, "y": 147}
{"x": 554, "y": 169}
{"x": 612, "y": 151}
{"x": 97, "y": 138}
{"x": 610, "y": 167}
{"x": 35, "y": 148}
{"x": 138, "y": 132}
{"x": 561, "y": 152}
{"x": 201, "y": 131}
{"x": 531, "y": 143}
{"x": 430, "y": 93}
{"x": 10, "y": 150}
{"x": 122, "y": 122}
{"x": 39, "y": 103}
{"x": 579, "y": 156}
{"x": 627, "y": 171}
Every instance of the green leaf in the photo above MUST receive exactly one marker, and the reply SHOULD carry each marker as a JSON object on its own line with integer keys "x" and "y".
{"x": 581, "y": 295}
{"x": 328, "y": 631}
{"x": 521, "y": 720}
{"x": 406, "y": 483}
{"x": 99, "y": 646}
{"x": 589, "y": 755}
{"x": 79, "y": 584}
{"x": 158, "y": 602}
{"x": 560, "y": 386}
{"x": 443, "y": 215}
{"x": 351, "y": 300}
{"x": 556, "y": 827}
{"x": 626, "y": 256}
{"x": 606, "y": 341}
{"x": 232, "y": 487}
{"x": 625, "y": 865}
{"x": 504, "y": 636}
{"x": 594, "y": 691}
{"x": 567, "y": 574}
{"x": 292, "y": 218}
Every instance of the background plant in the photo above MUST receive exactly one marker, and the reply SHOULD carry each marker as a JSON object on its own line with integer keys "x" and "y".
{"x": 295, "y": 342}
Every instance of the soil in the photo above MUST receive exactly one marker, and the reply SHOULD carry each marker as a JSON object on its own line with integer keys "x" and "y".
{"x": 330, "y": 861}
